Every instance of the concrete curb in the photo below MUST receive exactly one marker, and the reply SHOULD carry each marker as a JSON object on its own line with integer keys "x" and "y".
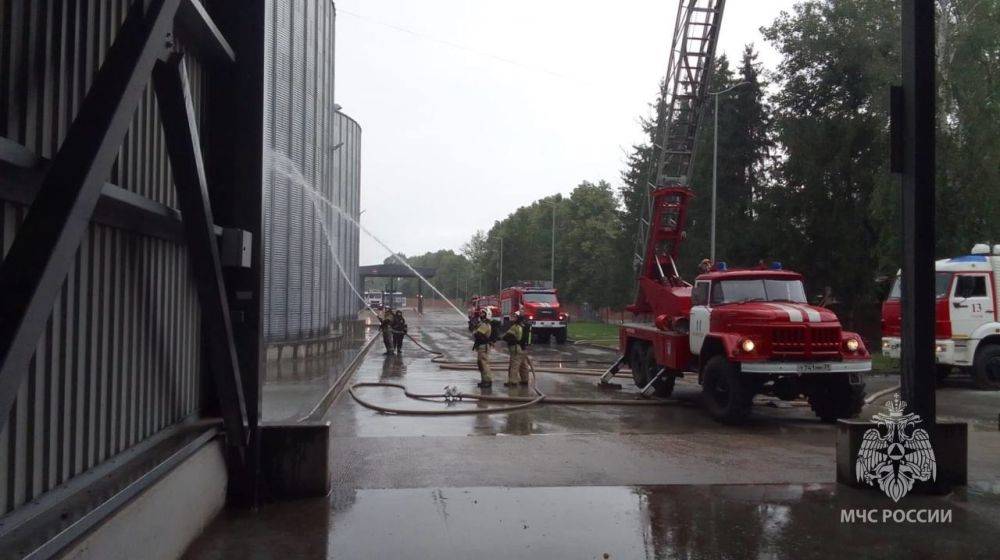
{"x": 334, "y": 391}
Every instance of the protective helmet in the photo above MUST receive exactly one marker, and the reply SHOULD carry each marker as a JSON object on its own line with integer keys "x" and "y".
{"x": 484, "y": 313}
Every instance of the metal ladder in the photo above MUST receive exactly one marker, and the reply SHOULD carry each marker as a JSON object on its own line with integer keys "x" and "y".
{"x": 685, "y": 92}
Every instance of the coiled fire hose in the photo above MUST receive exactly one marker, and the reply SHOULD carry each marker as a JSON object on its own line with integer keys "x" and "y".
{"x": 516, "y": 403}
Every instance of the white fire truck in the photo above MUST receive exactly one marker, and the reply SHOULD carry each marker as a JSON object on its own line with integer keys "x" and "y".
{"x": 966, "y": 326}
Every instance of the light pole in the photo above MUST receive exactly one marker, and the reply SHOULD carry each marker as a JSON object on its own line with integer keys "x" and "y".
{"x": 552, "y": 270}
{"x": 715, "y": 159}
{"x": 500, "y": 288}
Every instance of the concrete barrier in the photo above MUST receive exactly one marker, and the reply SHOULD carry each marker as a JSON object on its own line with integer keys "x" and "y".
{"x": 163, "y": 520}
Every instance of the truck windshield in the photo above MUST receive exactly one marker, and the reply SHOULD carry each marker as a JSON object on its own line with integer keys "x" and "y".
{"x": 740, "y": 291}
{"x": 942, "y": 281}
{"x": 539, "y": 298}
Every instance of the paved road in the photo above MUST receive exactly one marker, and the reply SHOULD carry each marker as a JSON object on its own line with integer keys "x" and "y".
{"x": 583, "y": 481}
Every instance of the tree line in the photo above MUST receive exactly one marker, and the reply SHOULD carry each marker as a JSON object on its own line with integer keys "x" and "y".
{"x": 803, "y": 172}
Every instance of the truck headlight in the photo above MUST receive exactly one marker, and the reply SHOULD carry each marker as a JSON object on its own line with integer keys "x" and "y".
{"x": 852, "y": 345}
{"x": 938, "y": 348}
{"x": 748, "y": 345}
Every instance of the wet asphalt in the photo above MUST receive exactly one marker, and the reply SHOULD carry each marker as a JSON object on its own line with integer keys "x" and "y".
{"x": 585, "y": 481}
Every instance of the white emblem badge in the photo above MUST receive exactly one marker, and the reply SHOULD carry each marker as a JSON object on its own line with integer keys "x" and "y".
{"x": 899, "y": 457}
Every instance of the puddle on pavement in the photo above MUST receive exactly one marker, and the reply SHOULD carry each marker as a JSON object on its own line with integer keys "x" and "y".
{"x": 761, "y": 521}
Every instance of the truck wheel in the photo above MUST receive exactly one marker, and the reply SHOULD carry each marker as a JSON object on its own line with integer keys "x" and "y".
{"x": 561, "y": 336}
{"x": 942, "y": 372}
{"x": 986, "y": 369}
{"x": 727, "y": 397}
{"x": 836, "y": 399}
{"x": 638, "y": 362}
{"x": 665, "y": 386}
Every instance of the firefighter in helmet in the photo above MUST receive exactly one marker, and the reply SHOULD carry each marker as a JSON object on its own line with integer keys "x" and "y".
{"x": 517, "y": 371}
{"x": 398, "y": 331}
{"x": 705, "y": 266}
{"x": 481, "y": 345}
{"x": 386, "y": 327}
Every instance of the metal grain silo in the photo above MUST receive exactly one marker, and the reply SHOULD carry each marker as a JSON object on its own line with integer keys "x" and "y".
{"x": 305, "y": 295}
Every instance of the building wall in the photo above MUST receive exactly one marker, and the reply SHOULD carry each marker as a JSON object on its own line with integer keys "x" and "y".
{"x": 305, "y": 293}
{"x": 119, "y": 360}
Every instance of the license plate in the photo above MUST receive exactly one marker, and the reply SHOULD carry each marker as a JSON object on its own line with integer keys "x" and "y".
{"x": 813, "y": 368}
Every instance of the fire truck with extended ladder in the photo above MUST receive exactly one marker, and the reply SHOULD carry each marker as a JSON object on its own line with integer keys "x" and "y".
{"x": 741, "y": 332}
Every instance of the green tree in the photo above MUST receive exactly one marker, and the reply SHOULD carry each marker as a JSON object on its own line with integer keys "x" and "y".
{"x": 832, "y": 200}
{"x": 746, "y": 157}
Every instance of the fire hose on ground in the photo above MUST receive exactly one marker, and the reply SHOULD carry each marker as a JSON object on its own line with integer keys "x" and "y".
{"x": 452, "y": 395}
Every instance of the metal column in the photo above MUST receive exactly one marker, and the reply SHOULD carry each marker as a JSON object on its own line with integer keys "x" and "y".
{"x": 917, "y": 165}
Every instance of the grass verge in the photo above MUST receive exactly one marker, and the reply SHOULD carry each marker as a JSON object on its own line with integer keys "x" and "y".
{"x": 602, "y": 334}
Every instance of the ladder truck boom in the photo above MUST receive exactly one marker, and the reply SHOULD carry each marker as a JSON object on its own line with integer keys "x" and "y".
{"x": 683, "y": 99}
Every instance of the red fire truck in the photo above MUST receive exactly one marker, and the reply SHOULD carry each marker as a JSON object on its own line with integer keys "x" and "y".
{"x": 540, "y": 305}
{"x": 741, "y": 332}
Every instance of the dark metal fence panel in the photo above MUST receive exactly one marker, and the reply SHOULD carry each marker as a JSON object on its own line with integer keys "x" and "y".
{"x": 119, "y": 359}
{"x": 304, "y": 291}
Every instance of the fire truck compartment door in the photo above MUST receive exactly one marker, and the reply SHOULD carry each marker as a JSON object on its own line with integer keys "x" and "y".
{"x": 971, "y": 303}
{"x": 699, "y": 327}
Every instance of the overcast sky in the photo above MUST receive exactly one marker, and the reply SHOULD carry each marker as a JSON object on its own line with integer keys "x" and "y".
{"x": 470, "y": 110}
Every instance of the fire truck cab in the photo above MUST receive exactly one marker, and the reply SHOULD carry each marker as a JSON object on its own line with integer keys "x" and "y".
{"x": 540, "y": 306}
{"x": 966, "y": 325}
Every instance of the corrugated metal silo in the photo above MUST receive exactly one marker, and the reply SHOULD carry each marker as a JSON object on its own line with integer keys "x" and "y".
{"x": 305, "y": 295}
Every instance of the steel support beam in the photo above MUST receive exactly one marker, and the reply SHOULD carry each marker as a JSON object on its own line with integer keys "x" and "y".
{"x": 918, "y": 168}
{"x": 199, "y": 31}
{"x": 43, "y": 251}
{"x": 235, "y": 141}
{"x": 180, "y": 128}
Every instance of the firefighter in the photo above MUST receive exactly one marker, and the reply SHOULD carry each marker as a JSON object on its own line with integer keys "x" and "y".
{"x": 386, "y": 327}
{"x": 481, "y": 345}
{"x": 398, "y": 331}
{"x": 525, "y": 358}
{"x": 513, "y": 338}
{"x": 705, "y": 266}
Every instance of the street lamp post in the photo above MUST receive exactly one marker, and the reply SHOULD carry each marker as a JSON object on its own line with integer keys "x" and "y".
{"x": 501, "y": 265}
{"x": 552, "y": 270}
{"x": 715, "y": 160}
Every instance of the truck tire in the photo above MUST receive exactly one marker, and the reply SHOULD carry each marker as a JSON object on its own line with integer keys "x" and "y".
{"x": 561, "y": 336}
{"x": 665, "y": 386}
{"x": 727, "y": 397}
{"x": 638, "y": 361}
{"x": 837, "y": 399}
{"x": 986, "y": 369}
{"x": 942, "y": 371}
